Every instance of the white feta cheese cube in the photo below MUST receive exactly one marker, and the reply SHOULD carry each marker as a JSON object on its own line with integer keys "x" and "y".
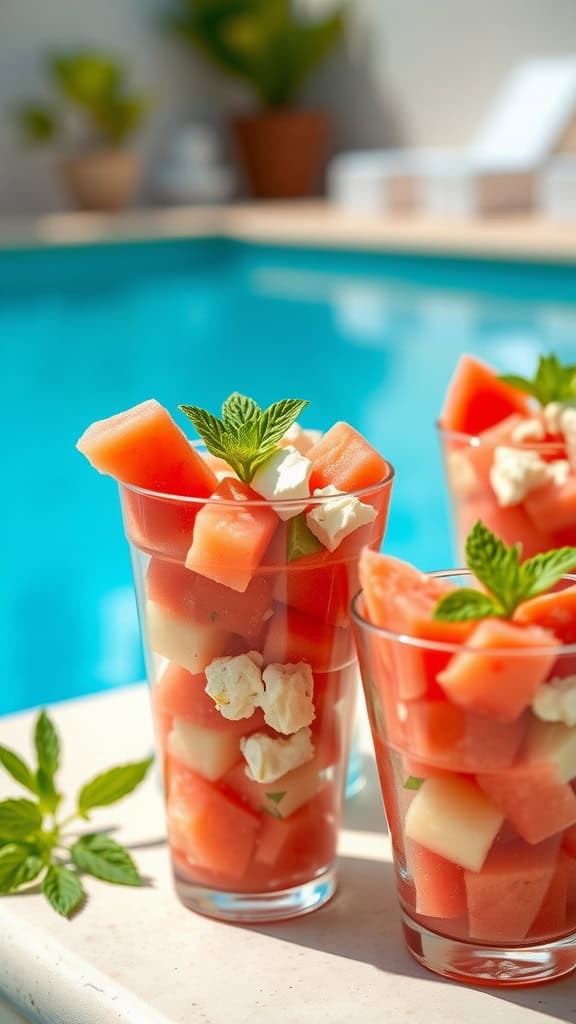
{"x": 531, "y": 429}
{"x": 553, "y": 416}
{"x": 209, "y": 752}
{"x": 555, "y": 701}
{"x": 568, "y": 423}
{"x": 285, "y": 475}
{"x": 514, "y": 473}
{"x": 555, "y": 744}
{"x": 235, "y": 684}
{"x": 300, "y": 439}
{"x": 287, "y": 701}
{"x": 559, "y": 471}
{"x": 454, "y": 819}
{"x": 269, "y": 758}
{"x": 337, "y": 517}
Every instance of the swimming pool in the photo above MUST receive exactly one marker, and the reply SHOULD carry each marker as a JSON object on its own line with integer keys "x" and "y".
{"x": 87, "y": 331}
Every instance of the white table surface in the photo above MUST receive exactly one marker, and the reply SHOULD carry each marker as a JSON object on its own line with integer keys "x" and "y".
{"x": 136, "y": 956}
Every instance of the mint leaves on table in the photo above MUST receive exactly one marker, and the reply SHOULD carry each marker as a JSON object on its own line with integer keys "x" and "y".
{"x": 507, "y": 580}
{"x": 246, "y": 435}
{"x": 552, "y": 381}
{"x": 34, "y": 844}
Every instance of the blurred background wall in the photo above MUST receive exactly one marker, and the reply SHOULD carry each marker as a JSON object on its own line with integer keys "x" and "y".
{"x": 396, "y": 81}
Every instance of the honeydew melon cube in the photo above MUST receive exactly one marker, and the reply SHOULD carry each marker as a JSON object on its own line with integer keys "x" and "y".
{"x": 191, "y": 645}
{"x": 283, "y": 797}
{"x": 206, "y": 751}
{"x": 451, "y": 817}
{"x": 554, "y": 743}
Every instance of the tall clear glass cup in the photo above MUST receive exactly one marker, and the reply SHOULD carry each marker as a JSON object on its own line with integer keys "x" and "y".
{"x": 481, "y": 807}
{"x": 254, "y": 788}
{"x": 542, "y": 519}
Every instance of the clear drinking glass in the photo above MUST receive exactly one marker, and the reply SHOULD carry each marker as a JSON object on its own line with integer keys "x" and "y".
{"x": 481, "y": 810}
{"x": 246, "y": 850}
{"x": 541, "y": 521}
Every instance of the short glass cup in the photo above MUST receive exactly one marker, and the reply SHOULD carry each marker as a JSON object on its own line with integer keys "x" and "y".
{"x": 246, "y": 850}
{"x": 542, "y": 520}
{"x": 481, "y": 809}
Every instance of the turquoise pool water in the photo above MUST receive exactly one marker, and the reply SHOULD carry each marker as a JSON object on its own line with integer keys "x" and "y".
{"x": 88, "y": 331}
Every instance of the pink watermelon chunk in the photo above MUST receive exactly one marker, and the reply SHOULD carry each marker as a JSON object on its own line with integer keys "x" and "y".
{"x": 505, "y": 897}
{"x": 569, "y": 840}
{"x": 292, "y": 637}
{"x": 445, "y": 736}
{"x": 345, "y": 459}
{"x": 553, "y": 508}
{"x": 439, "y": 884}
{"x": 144, "y": 447}
{"x": 556, "y": 612}
{"x": 499, "y": 686}
{"x": 511, "y": 524}
{"x": 179, "y": 694}
{"x": 551, "y": 919}
{"x": 231, "y": 536}
{"x": 531, "y": 797}
{"x": 476, "y": 399}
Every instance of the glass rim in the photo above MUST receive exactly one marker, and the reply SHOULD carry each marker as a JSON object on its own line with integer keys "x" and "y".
{"x": 477, "y": 441}
{"x": 282, "y": 503}
{"x": 452, "y": 647}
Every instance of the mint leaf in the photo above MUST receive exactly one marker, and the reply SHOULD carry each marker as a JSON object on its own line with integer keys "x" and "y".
{"x": 238, "y": 409}
{"x": 413, "y": 782}
{"x": 18, "y": 769}
{"x": 48, "y": 753}
{"x": 17, "y": 867}
{"x": 552, "y": 381}
{"x": 19, "y": 819}
{"x": 495, "y": 565}
{"x": 63, "y": 890}
{"x": 300, "y": 540}
{"x": 246, "y": 435}
{"x": 100, "y": 856}
{"x": 110, "y": 786}
{"x": 277, "y": 798}
{"x": 540, "y": 573}
{"x": 465, "y": 604}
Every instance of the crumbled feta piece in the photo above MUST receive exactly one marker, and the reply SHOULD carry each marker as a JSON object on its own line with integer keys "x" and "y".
{"x": 300, "y": 439}
{"x": 461, "y": 474}
{"x": 531, "y": 429}
{"x": 287, "y": 701}
{"x": 338, "y": 517}
{"x": 283, "y": 476}
{"x": 516, "y": 472}
{"x": 568, "y": 423}
{"x": 555, "y": 701}
{"x": 559, "y": 471}
{"x": 269, "y": 758}
{"x": 553, "y": 417}
{"x": 235, "y": 684}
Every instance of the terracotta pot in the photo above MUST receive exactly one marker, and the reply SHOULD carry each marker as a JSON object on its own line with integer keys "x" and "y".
{"x": 282, "y": 152}
{"x": 103, "y": 179}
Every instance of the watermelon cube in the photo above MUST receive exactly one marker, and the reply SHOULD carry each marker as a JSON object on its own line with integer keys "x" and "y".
{"x": 179, "y": 694}
{"x": 499, "y": 686}
{"x": 551, "y": 918}
{"x": 210, "y": 752}
{"x": 530, "y": 796}
{"x": 343, "y": 458}
{"x": 292, "y": 637}
{"x": 511, "y": 524}
{"x": 439, "y": 884}
{"x": 556, "y": 612}
{"x": 554, "y": 508}
{"x": 505, "y": 897}
{"x": 159, "y": 525}
{"x": 178, "y": 638}
{"x": 211, "y": 830}
{"x": 476, "y": 399}
{"x": 144, "y": 447}
{"x": 569, "y": 840}
{"x": 189, "y": 594}
{"x": 444, "y": 735}
{"x": 231, "y": 535}
{"x": 454, "y": 819}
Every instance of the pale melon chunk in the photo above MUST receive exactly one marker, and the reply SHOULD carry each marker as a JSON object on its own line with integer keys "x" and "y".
{"x": 451, "y": 817}
{"x": 554, "y": 743}
{"x": 191, "y": 645}
{"x": 209, "y": 752}
{"x": 282, "y": 797}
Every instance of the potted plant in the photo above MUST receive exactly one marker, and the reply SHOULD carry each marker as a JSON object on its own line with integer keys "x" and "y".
{"x": 99, "y": 115}
{"x": 266, "y": 45}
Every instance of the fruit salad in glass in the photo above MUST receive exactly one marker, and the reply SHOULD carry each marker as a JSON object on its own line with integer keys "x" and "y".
{"x": 245, "y": 547}
{"x": 470, "y": 682}
{"x": 509, "y": 446}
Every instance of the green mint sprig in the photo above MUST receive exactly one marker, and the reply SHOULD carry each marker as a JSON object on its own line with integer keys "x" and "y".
{"x": 508, "y": 581}
{"x": 34, "y": 846}
{"x": 246, "y": 435}
{"x": 552, "y": 381}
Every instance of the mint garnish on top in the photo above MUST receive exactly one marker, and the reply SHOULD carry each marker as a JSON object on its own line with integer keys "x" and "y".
{"x": 552, "y": 381}
{"x": 246, "y": 435}
{"x": 507, "y": 580}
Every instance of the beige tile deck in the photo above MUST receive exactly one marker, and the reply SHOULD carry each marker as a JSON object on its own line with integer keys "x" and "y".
{"x": 306, "y": 223}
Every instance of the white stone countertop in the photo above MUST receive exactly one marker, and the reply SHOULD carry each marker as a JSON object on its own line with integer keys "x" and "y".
{"x": 136, "y": 956}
